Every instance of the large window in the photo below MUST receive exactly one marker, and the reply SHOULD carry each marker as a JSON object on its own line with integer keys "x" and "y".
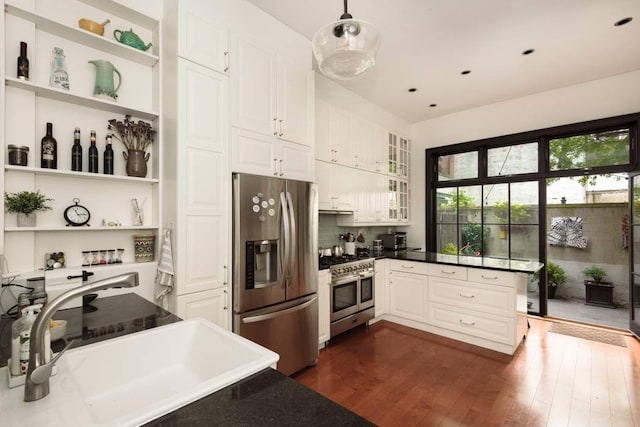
{"x": 484, "y": 196}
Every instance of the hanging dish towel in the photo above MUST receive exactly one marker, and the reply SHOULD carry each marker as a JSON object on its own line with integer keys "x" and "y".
{"x": 164, "y": 277}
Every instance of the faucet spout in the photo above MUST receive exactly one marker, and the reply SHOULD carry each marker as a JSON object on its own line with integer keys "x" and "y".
{"x": 38, "y": 387}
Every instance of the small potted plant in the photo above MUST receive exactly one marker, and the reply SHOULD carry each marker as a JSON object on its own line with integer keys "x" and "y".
{"x": 596, "y": 273}
{"x": 555, "y": 276}
{"x": 26, "y": 204}
{"x": 597, "y": 291}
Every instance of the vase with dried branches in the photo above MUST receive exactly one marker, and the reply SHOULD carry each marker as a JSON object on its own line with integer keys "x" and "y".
{"x": 136, "y": 138}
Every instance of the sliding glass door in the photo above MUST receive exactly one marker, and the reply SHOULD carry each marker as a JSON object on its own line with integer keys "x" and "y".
{"x": 634, "y": 230}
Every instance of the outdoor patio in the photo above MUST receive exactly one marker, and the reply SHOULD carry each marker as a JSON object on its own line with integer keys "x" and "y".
{"x": 576, "y": 309}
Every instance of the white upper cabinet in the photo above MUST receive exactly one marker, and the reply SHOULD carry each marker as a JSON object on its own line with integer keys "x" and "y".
{"x": 271, "y": 94}
{"x": 201, "y": 39}
{"x": 258, "y": 154}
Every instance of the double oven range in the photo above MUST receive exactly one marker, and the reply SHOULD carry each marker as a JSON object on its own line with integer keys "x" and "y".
{"x": 352, "y": 293}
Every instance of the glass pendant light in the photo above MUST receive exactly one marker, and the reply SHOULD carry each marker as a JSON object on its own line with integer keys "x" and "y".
{"x": 345, "y": 48}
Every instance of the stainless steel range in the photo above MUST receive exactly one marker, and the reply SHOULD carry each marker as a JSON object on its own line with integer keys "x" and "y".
{"x": 352, "y": 294}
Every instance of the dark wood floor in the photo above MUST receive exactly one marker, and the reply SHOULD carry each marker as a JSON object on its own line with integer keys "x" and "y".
{"x": 393, "y": 375}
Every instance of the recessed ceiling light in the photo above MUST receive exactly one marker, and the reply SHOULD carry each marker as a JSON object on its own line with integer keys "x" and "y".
{"x": 465, "y": 72}
{"x": 528, "y": 51}
{"x": 413, "y": 89}
{"x": 433, "y": 105}
{"x": 623, "y": 21}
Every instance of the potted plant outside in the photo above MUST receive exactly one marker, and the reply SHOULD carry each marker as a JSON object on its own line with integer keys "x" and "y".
{"x": 555, "y": 276}
{"x": 596, "y": 273}
{"x": 597, "y": 291}
{"x": 26, "y": 204}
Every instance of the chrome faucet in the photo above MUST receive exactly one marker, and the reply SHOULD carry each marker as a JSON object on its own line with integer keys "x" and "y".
{"x": 37, "y": 379}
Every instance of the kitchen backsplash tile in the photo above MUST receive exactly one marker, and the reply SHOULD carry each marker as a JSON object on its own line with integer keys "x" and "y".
{"x": 329, "y": 232}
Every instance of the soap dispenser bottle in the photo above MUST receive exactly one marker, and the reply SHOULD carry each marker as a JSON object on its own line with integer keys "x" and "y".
{"x": 21, "y": 338}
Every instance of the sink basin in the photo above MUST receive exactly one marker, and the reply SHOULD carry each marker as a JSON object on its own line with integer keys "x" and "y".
{"x": 135, "y": 378}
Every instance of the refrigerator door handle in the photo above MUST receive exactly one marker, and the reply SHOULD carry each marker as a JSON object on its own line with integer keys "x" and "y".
{"x": 293, "y": 231}
{"x": 286, "y": 263}
{"x": 273, "y": 315}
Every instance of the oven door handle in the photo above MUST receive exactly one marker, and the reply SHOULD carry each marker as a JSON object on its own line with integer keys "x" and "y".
{"x": 269, "y": 316}
{"x": 351, "y": 279}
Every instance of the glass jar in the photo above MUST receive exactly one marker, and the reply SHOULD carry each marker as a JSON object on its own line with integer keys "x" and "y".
{"x": 36, "y": 284}
{"x": 86, "y": 259}
{"x": 94, "y": 258}
{"x": 24, "y": 300}
{"x": 119, "y": 253}
{"x": 18, "y": 155}
{"x": 103, "y": 256}
{"x": 112, "y": 256}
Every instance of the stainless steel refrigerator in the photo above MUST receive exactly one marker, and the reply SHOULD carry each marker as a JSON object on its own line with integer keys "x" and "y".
{"x": 275, "y": 267}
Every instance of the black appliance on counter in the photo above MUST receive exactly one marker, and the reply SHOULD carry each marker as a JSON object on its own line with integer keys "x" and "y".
{"x": 394, "y": 241}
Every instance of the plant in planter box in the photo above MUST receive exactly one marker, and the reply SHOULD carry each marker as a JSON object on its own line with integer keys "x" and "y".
{"x": 596, "y": 273}
{"x": 25, "y": 204}
{"x": 555, "y": 276}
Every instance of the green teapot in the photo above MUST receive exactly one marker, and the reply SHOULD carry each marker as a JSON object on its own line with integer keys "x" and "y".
{"x": 130, "y": 39}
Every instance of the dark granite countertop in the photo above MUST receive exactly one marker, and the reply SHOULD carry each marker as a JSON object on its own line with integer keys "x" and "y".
{"x": 465, "y": 261}
{"x": 267, "y": 398}
{"x": 102, "y": 319}
{"x": 468, "y": 261}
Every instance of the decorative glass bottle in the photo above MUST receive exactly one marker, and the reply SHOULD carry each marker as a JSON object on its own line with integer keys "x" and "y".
{"x": 59, "y": 77}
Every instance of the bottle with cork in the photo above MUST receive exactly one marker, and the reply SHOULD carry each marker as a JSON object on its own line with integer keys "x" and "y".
{"x": 93, "y": 154}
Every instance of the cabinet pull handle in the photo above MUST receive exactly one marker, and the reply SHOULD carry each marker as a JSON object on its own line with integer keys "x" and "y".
{"x": 281, "y": 167}
{"x": 226, "y": 275}
{"x": 489, "y": 277}
{"x": 467, "y": 295}
{"x": 226, "y": 62}
{"x": 335, "y": 155}
{"x": 281, "y": 128}
{"x": 357, "y": 162}
{"x": 275, "y": 126}
{"x": 226, "y": 298}
{"x": 275, "y": 167}
{"x": 447, "y": 272}
{"x": 407, "y": 266}
{"x": 464, "y": 322}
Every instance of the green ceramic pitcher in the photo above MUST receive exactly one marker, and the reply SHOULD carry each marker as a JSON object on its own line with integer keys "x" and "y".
{"x": 104, "y": 87}
{"x": 130, "y": 39}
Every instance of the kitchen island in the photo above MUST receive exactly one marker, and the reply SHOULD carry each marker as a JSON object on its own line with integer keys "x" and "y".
{"x": 519, "y": 266}
{"x": 266, "y": 398}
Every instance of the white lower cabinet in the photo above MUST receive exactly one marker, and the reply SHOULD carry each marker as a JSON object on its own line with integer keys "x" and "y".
{"x": 381, "y": 287}
{"x": 407, "y": 295}
{"x": 324, "y": 307}
{"x": 212, "y": 305}
{"x": 479, "y": 306}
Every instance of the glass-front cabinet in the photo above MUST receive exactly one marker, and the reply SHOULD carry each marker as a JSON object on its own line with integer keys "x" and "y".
{"x": 398, "y": 156}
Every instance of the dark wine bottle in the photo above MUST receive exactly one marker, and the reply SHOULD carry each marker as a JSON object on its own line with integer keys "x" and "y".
{"x": 49, "y": 150}
{"x": 76, "y": 152}
{"x": 108, "y": 157}
{"x": 23, "y": 62}
{"x": 93, "y": 154}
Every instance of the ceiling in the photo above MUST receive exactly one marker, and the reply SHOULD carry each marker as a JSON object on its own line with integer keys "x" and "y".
{"x": 426, "y": 44}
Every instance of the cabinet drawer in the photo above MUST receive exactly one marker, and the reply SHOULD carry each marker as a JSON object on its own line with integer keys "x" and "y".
{"x": 448, "y": 271}
{"x": 482, "y": 325}
{"x": 502, "y": 278}
{"x": 409, "y": 266}
{"x": 476, "y": 296}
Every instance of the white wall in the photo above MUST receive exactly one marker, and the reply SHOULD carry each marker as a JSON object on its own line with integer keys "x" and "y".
{"x": 333, "y": 93}
{"x": 597, "y": 99}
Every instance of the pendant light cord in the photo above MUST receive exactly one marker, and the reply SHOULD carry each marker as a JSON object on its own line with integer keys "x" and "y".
{"x": 346, "y": 14}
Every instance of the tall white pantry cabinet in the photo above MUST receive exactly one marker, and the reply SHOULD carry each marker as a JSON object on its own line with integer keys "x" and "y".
{"x": 196, "y": 172}
{"x": 217, "y": 110}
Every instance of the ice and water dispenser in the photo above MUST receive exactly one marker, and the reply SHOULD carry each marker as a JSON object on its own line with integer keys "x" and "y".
{"x": 262, "y": 263}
